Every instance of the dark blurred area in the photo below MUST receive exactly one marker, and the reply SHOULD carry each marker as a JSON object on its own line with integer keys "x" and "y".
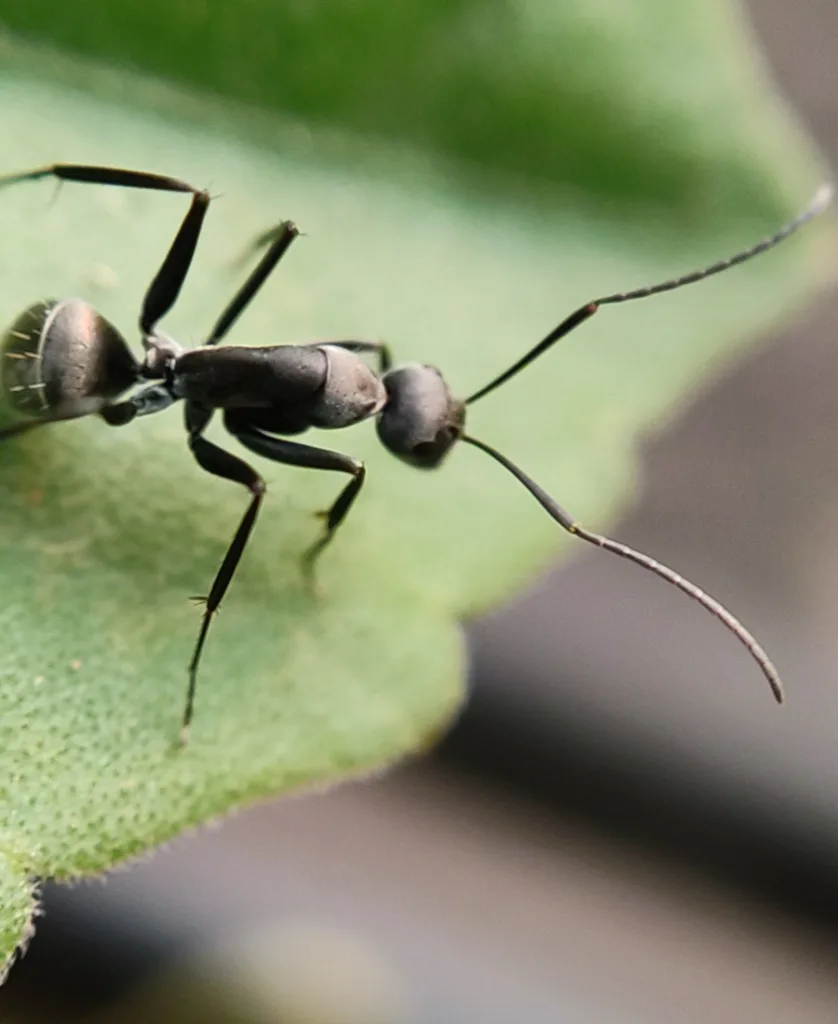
{"x": 609, "y": 833}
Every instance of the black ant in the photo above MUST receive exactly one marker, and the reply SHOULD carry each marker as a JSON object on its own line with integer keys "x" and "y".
{"x": 61, "y": 360}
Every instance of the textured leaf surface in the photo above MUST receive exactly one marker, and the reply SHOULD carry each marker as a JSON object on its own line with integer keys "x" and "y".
{"x": 104, "y": 534}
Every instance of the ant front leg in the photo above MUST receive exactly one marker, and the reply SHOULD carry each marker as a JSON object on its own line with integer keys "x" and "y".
{"x": 292, "y": 453}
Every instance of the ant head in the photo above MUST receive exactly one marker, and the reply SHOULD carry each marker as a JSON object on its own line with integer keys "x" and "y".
{"x": 421, "y": 419}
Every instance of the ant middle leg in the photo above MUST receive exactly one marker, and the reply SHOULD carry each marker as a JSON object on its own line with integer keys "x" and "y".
{"x": 220, "y": 463}
{"x": 292, "y": 453}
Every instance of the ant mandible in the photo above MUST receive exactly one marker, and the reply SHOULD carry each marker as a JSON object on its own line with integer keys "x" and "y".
{"x": 61, "y": 360}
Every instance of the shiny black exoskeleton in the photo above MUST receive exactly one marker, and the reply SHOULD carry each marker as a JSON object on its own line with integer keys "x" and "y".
{"x": 59, "y": 352}
{"x": 61, "y": 359}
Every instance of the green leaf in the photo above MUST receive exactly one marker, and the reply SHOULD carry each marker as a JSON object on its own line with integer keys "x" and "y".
{"x": 18, "y": 908}
{"x": 641, "y": 147}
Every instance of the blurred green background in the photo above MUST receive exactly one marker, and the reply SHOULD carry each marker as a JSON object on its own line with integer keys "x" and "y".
{"x": 624, "y": 101}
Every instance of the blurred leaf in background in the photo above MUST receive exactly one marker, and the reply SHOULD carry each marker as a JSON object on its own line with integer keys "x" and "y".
{"x": 466, "y": 173}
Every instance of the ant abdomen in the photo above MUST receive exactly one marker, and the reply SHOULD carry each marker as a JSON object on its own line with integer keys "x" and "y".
{"x": 59, "y": 352}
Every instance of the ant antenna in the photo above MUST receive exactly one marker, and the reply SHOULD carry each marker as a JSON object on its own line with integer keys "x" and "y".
{"x": 819, "y": 203}
{"x": 565, "y": 520}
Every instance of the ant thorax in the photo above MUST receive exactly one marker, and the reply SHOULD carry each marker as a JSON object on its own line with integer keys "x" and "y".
{"x": 161, "y": 354}
{"x": 351, "y": 391}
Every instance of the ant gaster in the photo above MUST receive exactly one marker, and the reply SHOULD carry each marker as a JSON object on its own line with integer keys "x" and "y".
{"x": 61, "y": 360}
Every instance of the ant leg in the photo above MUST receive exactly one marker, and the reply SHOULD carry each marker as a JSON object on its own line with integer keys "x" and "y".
{"x": 164, "y": 289}
{"x": 291, "y": 453}
{"x": 96, "y": 175}
{"x": 220, "y": 463}
{"x": 281, "y": 238}
{"x": 262, "y": 240}
{"x": 145, "y": 402}
{"x": 278, "y": 239}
